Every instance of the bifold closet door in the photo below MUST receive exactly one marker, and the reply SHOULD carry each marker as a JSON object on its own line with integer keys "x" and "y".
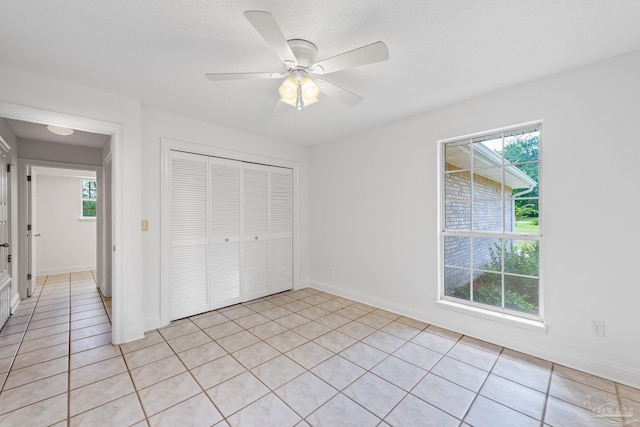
{"x": 281, "y": 230}
{"x": 188, "y": 277}
{"x": 255, "y": 260}
{"x": 226, "y": 211}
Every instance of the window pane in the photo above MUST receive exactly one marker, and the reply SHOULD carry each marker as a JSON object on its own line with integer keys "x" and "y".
{"x": 456, "y": 282}
{"x": 457, "y": 155}
{"x": 487, "y": 215}
{"x": 88, "y": 208}
{"x": 487, "y": 183}
{"x": 457, "y": 251}
{"x": 521, "y": 293}
{"x": 523, "y": 147}
{"x": 487, "y": 254}
{"x": 521, "y": 257}
{"x": 457, "y": 216}
{"x": 487, "y": 288}
{"x": 457, "y": 186}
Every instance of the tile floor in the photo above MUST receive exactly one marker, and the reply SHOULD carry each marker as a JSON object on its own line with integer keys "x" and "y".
{"x": 294, "y": 359}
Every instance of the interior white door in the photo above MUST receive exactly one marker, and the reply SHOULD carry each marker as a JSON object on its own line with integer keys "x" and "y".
{"x": 281, "y": 230}
{"x": 255, "y": 261}
{"x": 189, "y": 272}
{"x": 226, "y": 215}
{"x": 5, "y": 234}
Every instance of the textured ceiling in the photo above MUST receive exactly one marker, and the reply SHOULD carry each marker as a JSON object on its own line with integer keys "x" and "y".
{"x": 441, "y": 51}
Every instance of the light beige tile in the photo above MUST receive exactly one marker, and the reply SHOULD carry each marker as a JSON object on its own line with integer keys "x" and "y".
{"x": 375, "y": 394}
{"x": 416, "y": 413}
{"x": 286, "y": 341}
{"x": 383, "y": 341}
{"x": 202, "y": 354}
{"x": 251, "y": 320}
{"x": 313, "y": 313}
{"x": 90, "y": 331}
{"x": 43, "y": 413}
{"x": 261, "y": 306}
{"x": 178, "y": 329}
{"x": 356, "y": 330}
{"x": 269, "y": 411}
{"x": 523, "y": 369}
{"x": 267, "y": 330}
{"x": 399, "y": 372}
{"x": 277, "y": 371}
{"x": 15, "y": 398}
{"x": 276, "y": 313}
{"x": 96, "y": 394}
{"x": 47, "y": 331}
{"x": 401, "y": 330}
{"x": 167, "y": 393}
{"x": 338, "y": 372}
{"x": 150, "y": 338}
{"x": 65, "y": 311}
{"x": 157, "y": 371}
{"x": 561, "y": 413}
{"x": 236, "y": 393}
{"x": 434, "y": 342}
{"x": 236, "y": 311}
{"x": 460, "y": 373}
{"x": 147, "y": 355}
{"x": 197, "y": 411}
{"x": 374, "y": 320}
{"x": 332, "y": 305}
{"x": 364, "y": 355}
{"x": 417, "y": 355}
{"x": 296, "y": 306}
{"x": 309, "y": 354}
{"x": 306, "y": 393}
{"x": 443, "y": 332}
{"x": 120, "y": 412}
{"x": 9, "y": 350}
{"x": 629, "y": 393}
{"x": 255, "y": 354}
{"x": 335, "y": 341}
{"x": 487, "y": 413}
{"x": 237, "y": 341}
{"x": 444, "y": 395}
{"x": 27, "y": 359}
{"x": 473, "y": 356}
{"x": 584, "y": 378}
{"x": 341, "y": 408}
{"x": 210, "y": 319}
{"x": 292, "y": 320}
{"x": 333, "y": 320}
{"x": 219, "y": 370}
{"x": 516, "y": 396}
{"x": 223, "y": 329}
{"x": 90, "y": 342}
{"x": 94, "y": 355}
{"x": 97, "y": 371}
{"x": 87, "y": 314}
{"x": 185, "y": 342}
{"x": 39, "y": 343}
{"x": 91, "y": 321}
{"x": 574, "y": 392}
{"x": 18, "y": 377}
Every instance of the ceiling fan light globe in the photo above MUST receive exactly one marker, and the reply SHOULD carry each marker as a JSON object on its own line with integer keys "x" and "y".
{"x": 309, "y": 101}
{"x": 309, "y": 89}
{"x": 291, "y": 102}
{"x": 288, "y": 89}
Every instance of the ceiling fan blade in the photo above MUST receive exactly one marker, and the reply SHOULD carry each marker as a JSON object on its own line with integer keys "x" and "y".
{"x": 242, "y": 76}
{"x": 346, "y": 97}
{"x": 270, "y": 31}
{"x": 374, "y": 52}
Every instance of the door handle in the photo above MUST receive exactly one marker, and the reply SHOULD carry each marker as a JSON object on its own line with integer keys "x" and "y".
{"x": 37, "y": 235}
{"x": 4, "y": 245}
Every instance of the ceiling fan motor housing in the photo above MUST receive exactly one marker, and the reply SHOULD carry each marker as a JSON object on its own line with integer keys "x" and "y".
{"x": 304, "y": 51}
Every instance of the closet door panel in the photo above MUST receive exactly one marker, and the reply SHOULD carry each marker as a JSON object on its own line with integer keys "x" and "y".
{"x": 255, "y": 261}
{"x": 281, "y": 230}
{"x": 225, "y": 242}
{"x": 188, "y": 276}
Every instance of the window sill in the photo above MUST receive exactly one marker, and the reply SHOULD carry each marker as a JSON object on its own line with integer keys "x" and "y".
{"x": 89, "y": 219}
{"x": 530, "y": 324}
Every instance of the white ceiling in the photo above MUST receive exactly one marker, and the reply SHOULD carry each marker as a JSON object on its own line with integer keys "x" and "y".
{"x": 441, "y": 51}
{"x": 39, "y": 132}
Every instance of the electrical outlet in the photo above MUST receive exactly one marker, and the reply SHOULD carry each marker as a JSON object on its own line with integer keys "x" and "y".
{"x": 597, "y": 328}
{"x": 145, "y": 225}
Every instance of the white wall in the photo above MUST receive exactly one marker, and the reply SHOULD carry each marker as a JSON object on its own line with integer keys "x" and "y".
{"x": 374, "y": 206}
{"x": 67, "y": 243}
{"x": 66, "y": 153}
{"x": 157, "y": 125}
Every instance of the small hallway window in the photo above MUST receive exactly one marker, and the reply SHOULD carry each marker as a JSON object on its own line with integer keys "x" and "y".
{"x": 89, "y": 197}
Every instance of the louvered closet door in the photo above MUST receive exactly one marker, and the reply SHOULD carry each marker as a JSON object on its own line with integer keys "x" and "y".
{"x": 225, "y": 205}
{"x": 255, "y": 260}
{"x": 281, "y": 230}
{"x": 189, "y": 235}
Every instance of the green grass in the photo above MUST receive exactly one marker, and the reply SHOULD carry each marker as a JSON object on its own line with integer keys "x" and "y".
{"x": 525, "y": 225}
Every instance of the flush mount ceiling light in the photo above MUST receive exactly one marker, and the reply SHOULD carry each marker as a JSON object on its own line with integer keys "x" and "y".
{"x": 59, "y": 130}
{"x": 299, "y": 59}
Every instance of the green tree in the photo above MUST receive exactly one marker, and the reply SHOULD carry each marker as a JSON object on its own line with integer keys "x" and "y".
{"x": 525, "y": 149}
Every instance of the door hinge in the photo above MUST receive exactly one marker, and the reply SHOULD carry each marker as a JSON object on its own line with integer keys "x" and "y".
{"x": 9, "y": 258}
{"x": 29, "y": 178}
{"x": 8, "y": 167}
{"x": 29, "y": 276}
{"x": 28, "y": 227}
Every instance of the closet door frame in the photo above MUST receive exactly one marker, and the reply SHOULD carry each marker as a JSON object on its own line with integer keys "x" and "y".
{"x": 168, "y": 145}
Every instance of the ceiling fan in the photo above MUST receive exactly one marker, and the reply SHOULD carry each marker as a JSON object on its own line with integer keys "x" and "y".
{"x": 299, "y": 59}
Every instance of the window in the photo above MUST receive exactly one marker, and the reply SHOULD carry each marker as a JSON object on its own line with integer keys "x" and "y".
{"x": 490, "y": 242}
{"x": 89, "y": 197}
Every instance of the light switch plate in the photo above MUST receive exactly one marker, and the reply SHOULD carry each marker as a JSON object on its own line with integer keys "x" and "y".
{"x": 145, "y": 225}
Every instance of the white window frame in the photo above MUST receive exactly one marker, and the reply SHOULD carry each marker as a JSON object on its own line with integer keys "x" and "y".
{"x": 505, "y": 315}
{"x": 87, "y": 199}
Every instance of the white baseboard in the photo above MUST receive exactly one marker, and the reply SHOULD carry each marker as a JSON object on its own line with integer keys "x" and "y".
{"x": 15, "y": 301}
{"x": 151, "y": 323}
{"x": 601, "y": 368}
{"x": 60, "y": 270}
